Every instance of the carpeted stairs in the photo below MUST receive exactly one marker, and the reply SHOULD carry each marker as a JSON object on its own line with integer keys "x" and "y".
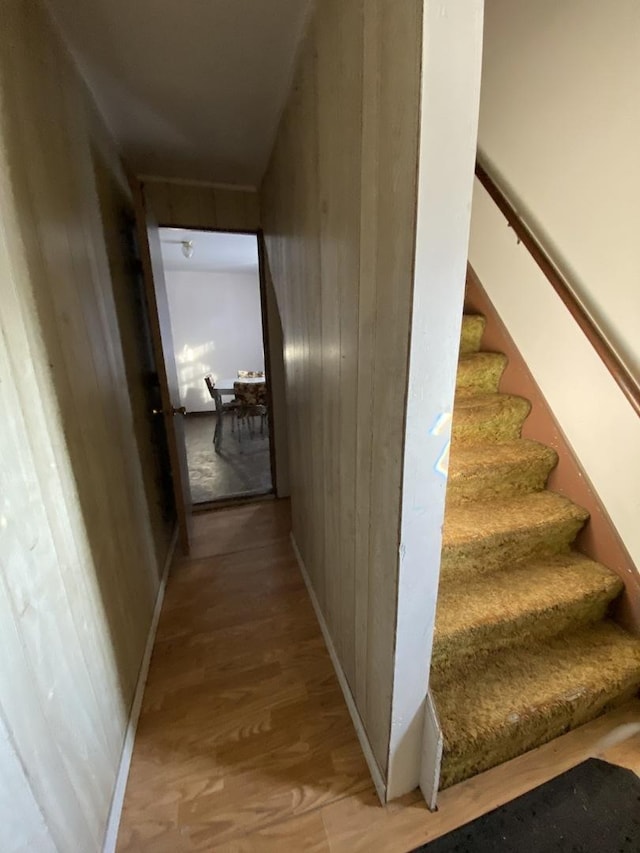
{"x": 523, "y": 649}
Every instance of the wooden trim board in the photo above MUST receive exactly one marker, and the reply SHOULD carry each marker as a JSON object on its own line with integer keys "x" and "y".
{"x": 376, "y": 774}
{"x": 188, "y": 182}
{"x": 599, "y": 539}
{"x": 201, "y": 207}
{"x": 267, "y": 356}
{"x": 432, "y": 746}
{"x": 451, "y": 63}
{"x": 117, "y": 801}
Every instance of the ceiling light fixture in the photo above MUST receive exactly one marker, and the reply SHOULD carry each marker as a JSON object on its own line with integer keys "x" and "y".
{"x": 186, "y": 246}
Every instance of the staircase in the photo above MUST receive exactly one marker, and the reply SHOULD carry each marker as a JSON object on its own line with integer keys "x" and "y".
{"x": 523, "y": 648}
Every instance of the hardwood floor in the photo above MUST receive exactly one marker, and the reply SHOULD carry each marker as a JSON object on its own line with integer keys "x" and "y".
{"x": 244, "y": 742}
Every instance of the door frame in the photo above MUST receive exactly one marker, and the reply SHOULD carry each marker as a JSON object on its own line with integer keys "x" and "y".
{"x": 266, "y": 342}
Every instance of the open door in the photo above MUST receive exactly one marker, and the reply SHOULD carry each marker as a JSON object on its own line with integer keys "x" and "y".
{"x": 160, "y": 327}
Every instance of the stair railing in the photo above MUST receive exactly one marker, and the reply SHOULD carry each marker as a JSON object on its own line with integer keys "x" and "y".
{"x": 627, "y": 383}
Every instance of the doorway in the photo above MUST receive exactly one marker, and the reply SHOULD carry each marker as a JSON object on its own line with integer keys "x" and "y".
{"x": 217, "y": 315}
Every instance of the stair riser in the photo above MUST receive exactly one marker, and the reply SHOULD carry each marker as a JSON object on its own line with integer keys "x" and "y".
{"x": 481, "y": 376}
{"x": 494, "y": 424}
{"x": 471, "y": 335}
{"x": 525, "y": 734}
{"x": 499, "y": 482}
{"x": 493, "y": 553}
{"x": 470, "y": 648}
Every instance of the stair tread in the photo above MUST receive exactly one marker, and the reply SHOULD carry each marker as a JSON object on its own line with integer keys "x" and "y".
{"x": 479, "y": 372}
{"x": 480, "y": 402}
{"x": 469, "y": 459}
{"x": 491, "y": 417}
{"x": 491, "y": 519}
{"x": 482, "y": 357}
{"x": 551, "y": 584}
{"x": 554, "y": 679}
{"x": 522, "y": 647}
{"x": 472, "y": 331}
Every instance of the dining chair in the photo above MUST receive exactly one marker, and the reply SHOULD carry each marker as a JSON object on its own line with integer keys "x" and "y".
{"x": 221, "y": 409}
{"x": 251, "y": 398}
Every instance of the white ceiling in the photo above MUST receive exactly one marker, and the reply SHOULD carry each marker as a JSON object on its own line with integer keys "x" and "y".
{"x": 213, "y": 251}
{"x": 190, "y": 88}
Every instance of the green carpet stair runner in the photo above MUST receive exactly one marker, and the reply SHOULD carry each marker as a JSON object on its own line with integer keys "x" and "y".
{"x": 523, "y": 648}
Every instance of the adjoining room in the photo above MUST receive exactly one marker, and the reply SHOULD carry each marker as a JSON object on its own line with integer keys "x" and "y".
{"x": 215, "y": 306}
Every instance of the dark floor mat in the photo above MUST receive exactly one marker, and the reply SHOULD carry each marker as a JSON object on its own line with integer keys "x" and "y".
{"x": 593, "y": 808}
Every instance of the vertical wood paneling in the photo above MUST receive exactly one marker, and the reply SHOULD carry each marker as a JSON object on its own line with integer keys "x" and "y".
{"x": 338, "y": 209}
{"x": 19, "y": 811}
{"x": 339, "y": 76}
{"x": 80, "y": 571}
{"x": 202, "y": 206}
{"x": 368, "y": 238}
{"x": 329, "y": 95}
{"x": 185, "y": 204}
{"x": 398, "y": 90}
{"x": 156, "y": 196}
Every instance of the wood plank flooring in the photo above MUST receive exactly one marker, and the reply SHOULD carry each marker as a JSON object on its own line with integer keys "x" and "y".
{"x": 244, "y": 741}
{"x": 243, "y": 723}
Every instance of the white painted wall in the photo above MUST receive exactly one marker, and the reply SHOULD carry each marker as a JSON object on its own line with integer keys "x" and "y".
{"x": 598, "y": 421}
{"x": 559, "y": 122}
{"x": 217, "y": 328}
{"x": 451, "y": 54}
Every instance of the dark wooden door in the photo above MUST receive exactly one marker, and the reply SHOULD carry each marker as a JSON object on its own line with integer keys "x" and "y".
{"x": 160, "y": 326}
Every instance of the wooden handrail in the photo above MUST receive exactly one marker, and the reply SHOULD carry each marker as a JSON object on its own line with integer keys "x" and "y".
{"x": 628, "y": 384}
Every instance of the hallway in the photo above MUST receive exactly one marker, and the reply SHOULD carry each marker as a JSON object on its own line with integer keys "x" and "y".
{"x": 342, "y": 137}
{"x": 243, "y": 723}
{"x": 244, "y": 741}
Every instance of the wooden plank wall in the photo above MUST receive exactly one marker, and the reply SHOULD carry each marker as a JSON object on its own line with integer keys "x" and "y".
{"x": 202, "y": 206}
{"x": 338, "y": 211}
{"x": 80, "y": 572}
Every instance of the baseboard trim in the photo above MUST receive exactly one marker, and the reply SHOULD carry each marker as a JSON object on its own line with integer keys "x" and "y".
{"x": 117, "y": 801}
{"x": 233, "y": 500}
{"x": 374, "y": 769}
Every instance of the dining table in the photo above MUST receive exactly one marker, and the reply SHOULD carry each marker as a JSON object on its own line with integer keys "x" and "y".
{"x": 225, "y": 388}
